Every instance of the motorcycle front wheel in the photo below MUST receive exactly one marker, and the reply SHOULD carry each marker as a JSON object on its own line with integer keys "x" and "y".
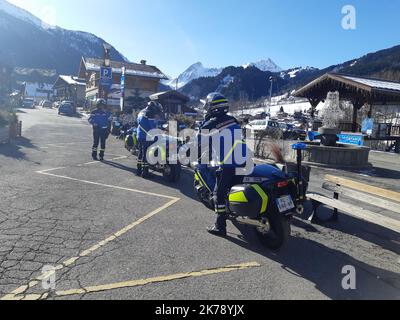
{"x": 172, "y": 173}
{"x": 276, "y": 232}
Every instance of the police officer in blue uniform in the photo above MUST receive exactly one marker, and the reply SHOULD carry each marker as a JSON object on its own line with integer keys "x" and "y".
{"x": 147, "y": 121}
{"x": 100, "y": 119}
{"x": 218, "y": 122}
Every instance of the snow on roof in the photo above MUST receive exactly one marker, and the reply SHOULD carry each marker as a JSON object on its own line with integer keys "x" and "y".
{"x": 132, "y": 69}
{"x": 73, "y": 80}
{"x": 374, "y": 83}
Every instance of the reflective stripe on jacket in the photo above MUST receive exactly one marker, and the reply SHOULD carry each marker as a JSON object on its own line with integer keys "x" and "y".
{"x": 231, "y": 153}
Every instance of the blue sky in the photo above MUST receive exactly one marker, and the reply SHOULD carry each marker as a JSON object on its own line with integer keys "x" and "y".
{"x": 173, "y": 34}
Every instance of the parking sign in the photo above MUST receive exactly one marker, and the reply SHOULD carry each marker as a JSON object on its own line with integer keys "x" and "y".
{"x": 106, "y": 77}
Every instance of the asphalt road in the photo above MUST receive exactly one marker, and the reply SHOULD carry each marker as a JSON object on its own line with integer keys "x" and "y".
{"x": 111, "y": 235}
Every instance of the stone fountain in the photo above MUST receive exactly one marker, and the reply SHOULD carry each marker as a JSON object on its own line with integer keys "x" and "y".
{"x": 332, "y": 114}
{"x": 330, "y": 153}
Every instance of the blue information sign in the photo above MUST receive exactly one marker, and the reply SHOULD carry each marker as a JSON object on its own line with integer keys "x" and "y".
{"x": 106, "y": 77}
{"x": 345, "y": 138}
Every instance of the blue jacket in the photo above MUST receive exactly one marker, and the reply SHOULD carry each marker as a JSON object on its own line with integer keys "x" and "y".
{"x": 145, "y": 124}
{"x": 100, "y": 119}
{"x": 219, "y": 129}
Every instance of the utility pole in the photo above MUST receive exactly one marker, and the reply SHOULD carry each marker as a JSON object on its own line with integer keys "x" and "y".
{"x": 271, "y": 80}
{"x": 107, "y": 62}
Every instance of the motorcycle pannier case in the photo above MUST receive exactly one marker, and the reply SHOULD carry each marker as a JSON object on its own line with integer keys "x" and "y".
{"x": 248, "y": 201}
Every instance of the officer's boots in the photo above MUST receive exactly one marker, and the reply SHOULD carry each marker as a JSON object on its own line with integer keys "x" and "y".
{"x": 101, "y": 155}
{"x": 94, "y": 155}
{"x": 145, "y": 171}
{"x": 139, "y": 169}
{"x": 219, "y": 229}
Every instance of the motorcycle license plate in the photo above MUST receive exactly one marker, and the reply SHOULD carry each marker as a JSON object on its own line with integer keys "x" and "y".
{"x": 285, "y": 204}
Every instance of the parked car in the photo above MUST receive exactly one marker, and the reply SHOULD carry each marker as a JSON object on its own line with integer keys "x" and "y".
{"x": 66, "y": 108}
{"x": 269, "y": 127}
{"x": 28, "y": 103}
{"x": 291, "y": 132}
{"x": 46, "y": 104}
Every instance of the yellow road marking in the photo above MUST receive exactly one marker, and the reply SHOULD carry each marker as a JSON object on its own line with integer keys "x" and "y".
{"x": 18, "y": 294}
{"x": 143, "y": 282}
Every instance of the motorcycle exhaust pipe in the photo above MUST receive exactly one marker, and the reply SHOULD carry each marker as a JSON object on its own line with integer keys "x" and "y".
{"x": 249, "y": 222}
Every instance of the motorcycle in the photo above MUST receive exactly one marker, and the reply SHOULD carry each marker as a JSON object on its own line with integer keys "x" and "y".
{"x": 171, "y": 170}
{"x": 116, "y": 127}
{"x": 265, "y": 200}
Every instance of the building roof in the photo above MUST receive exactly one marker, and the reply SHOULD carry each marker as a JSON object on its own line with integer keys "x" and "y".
{"x": 353, "y": 88}
{"x": 70, "y": 80}
{"x": 377, "y": 84}
{"x": 169, "y": 94}
{"x": 28, "y": 71}
{"x": 132, "y": 69}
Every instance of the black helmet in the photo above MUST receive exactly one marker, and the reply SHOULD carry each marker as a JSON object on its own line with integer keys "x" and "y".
{"x": 215, "y": 104}
{"x": 101, "y": 102}
{"x": 154, "y": 108}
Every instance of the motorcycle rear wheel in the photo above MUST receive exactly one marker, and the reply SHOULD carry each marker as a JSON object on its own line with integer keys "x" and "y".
{"x": 277, "y": 234}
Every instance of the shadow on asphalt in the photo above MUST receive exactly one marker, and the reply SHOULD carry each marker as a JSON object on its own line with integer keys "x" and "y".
{"x": 372, "y": 233}
{"x": 307, "y": 259}
{"x": 184, "y": 185}
{"x": 378, "y": 172}
{"x": 120, "y": 166}
{"x": 15, "y": 149}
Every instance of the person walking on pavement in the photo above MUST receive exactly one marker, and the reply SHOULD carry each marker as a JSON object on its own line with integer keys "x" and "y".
{"x": 100, "y": 119}
{"x": 147, "y": 121}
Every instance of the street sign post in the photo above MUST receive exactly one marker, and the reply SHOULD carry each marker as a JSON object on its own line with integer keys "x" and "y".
{"x": 106, "y": 77}
{"x": 122, "y": 100}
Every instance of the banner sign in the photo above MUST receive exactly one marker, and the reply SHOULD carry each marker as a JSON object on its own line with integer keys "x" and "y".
{"x": 345, "y": 138}
{"x": 123, "y": 72}
{"x": 353, "y": 139}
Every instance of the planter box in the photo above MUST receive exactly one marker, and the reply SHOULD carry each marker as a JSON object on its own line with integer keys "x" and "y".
{"x": 5, "y": 134}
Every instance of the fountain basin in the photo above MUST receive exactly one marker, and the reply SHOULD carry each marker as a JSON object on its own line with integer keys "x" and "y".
{"x": 340, "y": 156}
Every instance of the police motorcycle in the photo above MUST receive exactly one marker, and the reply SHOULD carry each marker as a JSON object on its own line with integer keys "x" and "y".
{"x": 171, "y": 170}
{"x": 116, "y": 126}
{"x": 265, "y": 200}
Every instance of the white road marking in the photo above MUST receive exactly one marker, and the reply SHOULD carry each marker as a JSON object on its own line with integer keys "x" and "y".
{"x": 19, "y": 293}
{"x": 98, "y": 162}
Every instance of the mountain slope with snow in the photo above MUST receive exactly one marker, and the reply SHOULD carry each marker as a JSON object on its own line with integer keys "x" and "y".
{"x": 194, "y": 72}
{"x": 197, "y": 71}
{"x": 29, "y": 42}
{"x": 264, "y": 65}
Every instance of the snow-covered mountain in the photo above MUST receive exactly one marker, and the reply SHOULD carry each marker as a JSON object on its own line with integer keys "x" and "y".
{"x": 27, "y": 41}
{"x": 194, "y": 72}
{"x": 197, "y": 71}
{"x": 19, "y": 13}
{"x": 295, "y": 72}
{"x": 264, "y": 65}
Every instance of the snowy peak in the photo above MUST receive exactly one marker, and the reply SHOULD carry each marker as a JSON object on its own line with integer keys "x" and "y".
{"x": 194, "y": 72}
{"x": 264, "y": 65}
{"x": 19, "y": 13}
{"x": 294, "y": 72}
{"x": 197, "y": 70}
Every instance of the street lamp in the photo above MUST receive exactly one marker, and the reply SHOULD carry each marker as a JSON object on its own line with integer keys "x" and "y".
{"x": 271, "y": 80}
{"x": 107, "y": 63}
{"x": 107, "y": 50}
